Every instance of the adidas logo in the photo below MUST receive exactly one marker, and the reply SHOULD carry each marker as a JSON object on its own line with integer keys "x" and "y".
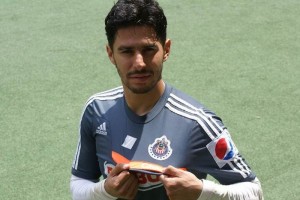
{"x": 102, "y": 129}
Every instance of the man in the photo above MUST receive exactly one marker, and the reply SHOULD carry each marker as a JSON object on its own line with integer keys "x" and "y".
{"x": 148, "y": 121}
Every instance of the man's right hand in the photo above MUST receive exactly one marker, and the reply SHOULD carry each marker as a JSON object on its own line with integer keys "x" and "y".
{"x": 121, "y": 183}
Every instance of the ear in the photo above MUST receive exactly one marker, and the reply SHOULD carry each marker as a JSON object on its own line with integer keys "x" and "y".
{"x": 110, "y": 54}
{"x": 167, "y": 49}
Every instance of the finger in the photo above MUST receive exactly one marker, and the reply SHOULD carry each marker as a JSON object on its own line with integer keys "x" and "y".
{"x": 162, "y": 178}
{"x": 132, "y": 187}
{"x": 172, "y": 171}
{"x": 123, "y": 177}
{"x": 168, "y": 182}
{"x": 127, "y": 188}
{"x": 117, "y": 185}
{"x": 118, "y": 169}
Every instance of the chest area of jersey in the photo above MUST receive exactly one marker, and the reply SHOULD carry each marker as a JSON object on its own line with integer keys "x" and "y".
{"x": 156, "y": 142}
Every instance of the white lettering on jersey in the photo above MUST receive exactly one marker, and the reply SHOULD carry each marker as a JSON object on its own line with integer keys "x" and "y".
{"x": 108, "y": 167}
{"x": 148, "y": 181}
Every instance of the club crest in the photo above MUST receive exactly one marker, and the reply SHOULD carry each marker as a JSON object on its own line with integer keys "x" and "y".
{"x": 160, "y": 149}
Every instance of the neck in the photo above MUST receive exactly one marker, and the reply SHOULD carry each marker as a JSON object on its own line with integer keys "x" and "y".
{"x": 141, "y": 104}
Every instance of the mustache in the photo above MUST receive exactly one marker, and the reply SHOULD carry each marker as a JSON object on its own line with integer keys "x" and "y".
{"x": 139, "y": 72}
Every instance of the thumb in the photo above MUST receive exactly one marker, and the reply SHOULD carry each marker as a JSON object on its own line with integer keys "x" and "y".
{"x": 172, "y": 171}
{"x": 118, "y": 169}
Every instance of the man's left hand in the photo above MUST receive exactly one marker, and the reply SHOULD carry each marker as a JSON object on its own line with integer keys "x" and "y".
{"x": 180, "y": 184}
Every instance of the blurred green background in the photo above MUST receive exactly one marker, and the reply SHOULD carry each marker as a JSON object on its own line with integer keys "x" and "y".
{"x": 239, "y": 58}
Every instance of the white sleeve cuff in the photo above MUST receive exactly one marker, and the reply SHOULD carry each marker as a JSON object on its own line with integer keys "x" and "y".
{"x": 212, "y": 190}
{"x": 82, "y": 189}
{"x": 238, "y": 191}
{"x": 101, "y": 192}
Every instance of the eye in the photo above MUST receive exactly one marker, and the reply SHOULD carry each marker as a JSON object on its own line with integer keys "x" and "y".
{"x": 150, "y": 49}
{"x": 126, "y": 51}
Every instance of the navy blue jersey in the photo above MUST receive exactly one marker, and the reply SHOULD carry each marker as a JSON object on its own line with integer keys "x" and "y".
{"x": 178, "y": 131}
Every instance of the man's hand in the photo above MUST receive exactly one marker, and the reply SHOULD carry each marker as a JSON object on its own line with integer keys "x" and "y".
{"x": 121, "y": 183}
{"x": 181, "y": 184}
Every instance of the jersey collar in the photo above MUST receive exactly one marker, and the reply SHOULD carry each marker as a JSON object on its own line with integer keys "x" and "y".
{"x": 154, "y": 111}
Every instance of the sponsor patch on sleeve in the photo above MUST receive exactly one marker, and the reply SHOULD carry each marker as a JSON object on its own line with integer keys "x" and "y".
{"x": 222, "y": 149}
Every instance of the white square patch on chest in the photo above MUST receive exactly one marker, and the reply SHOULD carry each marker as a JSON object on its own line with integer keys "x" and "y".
{"x": 129, "y": 142}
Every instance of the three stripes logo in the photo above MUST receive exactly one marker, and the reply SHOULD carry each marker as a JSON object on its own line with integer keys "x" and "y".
{"x": 101, "y": 130}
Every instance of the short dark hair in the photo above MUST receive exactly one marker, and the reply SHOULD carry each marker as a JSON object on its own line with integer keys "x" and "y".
{"x": 127, "y": 13}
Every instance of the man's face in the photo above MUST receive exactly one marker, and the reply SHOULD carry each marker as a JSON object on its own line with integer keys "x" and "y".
{"x": 138, "y": 57}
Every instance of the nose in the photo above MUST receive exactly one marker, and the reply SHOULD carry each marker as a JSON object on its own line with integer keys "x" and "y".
{"x": 139, "y": 61}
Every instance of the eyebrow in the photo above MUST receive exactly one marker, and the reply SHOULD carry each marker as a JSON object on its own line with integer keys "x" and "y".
{"x": 125, "y": 47}
{"x": 151, "y": 45}
{"x": 122, "y": 48}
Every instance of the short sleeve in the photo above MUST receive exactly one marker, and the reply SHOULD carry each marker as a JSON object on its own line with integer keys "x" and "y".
{"x": 85, "y": 164}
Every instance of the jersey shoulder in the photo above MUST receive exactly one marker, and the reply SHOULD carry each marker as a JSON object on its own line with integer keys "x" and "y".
{"x": 185, "y": 99}
{"x": 108, "y": 95}
{"x": 188, "y": 107}
{"x": 103, "y": 101}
